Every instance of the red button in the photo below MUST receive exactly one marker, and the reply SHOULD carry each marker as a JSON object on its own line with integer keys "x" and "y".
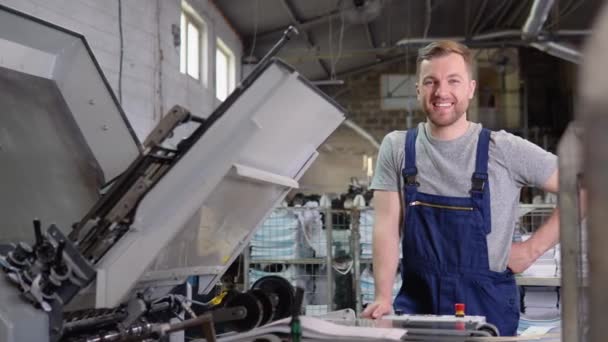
{"x": 459, "y": 309}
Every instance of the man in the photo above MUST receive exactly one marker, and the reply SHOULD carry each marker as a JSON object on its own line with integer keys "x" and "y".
{"x": 458, "y": 186}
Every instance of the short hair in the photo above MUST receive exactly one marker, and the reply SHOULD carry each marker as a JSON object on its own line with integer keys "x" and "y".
{"x": 442, "y": 48}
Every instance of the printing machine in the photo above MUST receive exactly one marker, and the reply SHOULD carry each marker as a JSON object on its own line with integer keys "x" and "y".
{"x": 96, "y": 228}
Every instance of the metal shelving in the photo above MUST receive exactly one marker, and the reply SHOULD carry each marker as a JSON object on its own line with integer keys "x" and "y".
{"x": 341, "y": 242}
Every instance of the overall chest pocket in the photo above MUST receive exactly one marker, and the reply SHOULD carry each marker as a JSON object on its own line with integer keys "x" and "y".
{"x": 451, "y": 235}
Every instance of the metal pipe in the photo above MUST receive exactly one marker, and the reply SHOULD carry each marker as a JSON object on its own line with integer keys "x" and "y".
{"x": 350, "y": 124}
{"x": 506, "y": 34}
{"x": 485, "y": 36}
{"x": 559, "y": 50}
{"x": 420, "y": 41}
{"x": 536, "y": 19}
{"x": 573, "y": 32}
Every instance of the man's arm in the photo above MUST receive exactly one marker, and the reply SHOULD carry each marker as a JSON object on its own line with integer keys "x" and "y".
{"x": 523, "y": 254}
{"x": 387, "y": 207}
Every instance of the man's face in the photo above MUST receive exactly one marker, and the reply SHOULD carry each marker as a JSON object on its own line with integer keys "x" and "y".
{"x": 445, "y": 88}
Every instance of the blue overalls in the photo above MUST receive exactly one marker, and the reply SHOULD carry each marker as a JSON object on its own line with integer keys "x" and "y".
{"x": 445, "y": 253}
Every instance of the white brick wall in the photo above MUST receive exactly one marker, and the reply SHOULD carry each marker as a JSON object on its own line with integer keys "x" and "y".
{"x": 142, "y": 80}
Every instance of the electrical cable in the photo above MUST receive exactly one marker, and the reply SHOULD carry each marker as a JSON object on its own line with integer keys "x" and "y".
{"x": 566, "y": 13}
{"x": 497, "y": 10}
{"x": 427, "y": 26}
{"x": 121, "y": 51}
{"x": 255, "y": 27}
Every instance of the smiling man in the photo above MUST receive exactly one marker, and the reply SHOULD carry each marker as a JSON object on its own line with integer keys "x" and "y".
{"x": 458, "y": 186}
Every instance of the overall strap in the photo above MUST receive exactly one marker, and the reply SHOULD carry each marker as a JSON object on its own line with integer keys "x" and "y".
{"x": 480, "y": 189}
{"x": 409, "y": 171}
{"x": 480, "y": 176}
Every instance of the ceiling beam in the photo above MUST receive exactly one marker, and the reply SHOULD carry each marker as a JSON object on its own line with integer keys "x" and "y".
{"x": 291, "y": 12}
{"x": 304, "y": 25}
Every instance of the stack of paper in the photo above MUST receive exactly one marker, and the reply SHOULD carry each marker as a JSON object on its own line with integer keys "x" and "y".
{"x": 541, "y": 303}
{"x": 318, "y": 330}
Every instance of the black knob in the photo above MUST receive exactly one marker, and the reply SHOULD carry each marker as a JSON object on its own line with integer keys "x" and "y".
{"x": 45, "y": 252}
{"x": 59, "y": 253}
{"x": 38, "y": 232}
{"x": 59, "y": 266}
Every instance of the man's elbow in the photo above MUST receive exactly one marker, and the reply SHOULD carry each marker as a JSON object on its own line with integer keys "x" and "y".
{"x": 552, "y": 184}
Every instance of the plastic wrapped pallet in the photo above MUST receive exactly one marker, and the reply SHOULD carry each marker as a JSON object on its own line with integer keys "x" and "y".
{"x": 277, "y": 237}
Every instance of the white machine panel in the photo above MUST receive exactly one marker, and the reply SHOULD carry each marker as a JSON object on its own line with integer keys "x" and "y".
{"x": 62, "y": 131}
{"x": 223, "y": 187}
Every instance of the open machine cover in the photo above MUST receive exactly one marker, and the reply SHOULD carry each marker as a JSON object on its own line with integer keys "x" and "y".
{"x": 224, "y": 186}
{"x": 63, "y": 135}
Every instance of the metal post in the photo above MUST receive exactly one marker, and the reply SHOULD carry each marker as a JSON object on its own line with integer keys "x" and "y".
{"x": 355, "y": 247}
{"x": 596, "y": 171}
{"x": 591, "y": 109}
{"x": 246, "y": 265}
{"x": 569, "y": 151}
{"x": 330, "y": 268}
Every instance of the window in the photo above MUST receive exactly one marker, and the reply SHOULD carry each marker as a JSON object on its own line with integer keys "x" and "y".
{"x": 191, "y": 39}
{"x": 224, "y": 71}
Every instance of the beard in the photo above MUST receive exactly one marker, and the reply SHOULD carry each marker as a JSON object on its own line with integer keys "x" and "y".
{"x": 441, "y": 118}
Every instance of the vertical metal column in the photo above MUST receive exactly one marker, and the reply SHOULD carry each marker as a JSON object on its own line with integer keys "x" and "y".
{"x": 355, "y": 247}
{"x": 596, "y": 177}
{"x": 569, "y": 151}
{"x": 593, "y": 88}
{"x": 330, "y": 268}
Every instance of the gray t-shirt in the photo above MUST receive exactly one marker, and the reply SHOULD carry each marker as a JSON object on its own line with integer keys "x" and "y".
{"x": 445, "y": 168}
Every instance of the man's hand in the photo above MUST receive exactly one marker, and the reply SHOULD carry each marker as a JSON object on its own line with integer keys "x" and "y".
{"x": 377, "y": 309}
{"x": 522, "y": 256}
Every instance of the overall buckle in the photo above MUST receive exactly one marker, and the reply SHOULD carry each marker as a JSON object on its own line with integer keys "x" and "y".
{"x": 411, "y": 180}
{"x": 409, "y": 176}
{"x": 479, "y": 181}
